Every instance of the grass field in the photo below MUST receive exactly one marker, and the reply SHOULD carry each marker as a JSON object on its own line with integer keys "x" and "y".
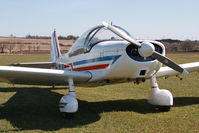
{"x": 120, "y": 108}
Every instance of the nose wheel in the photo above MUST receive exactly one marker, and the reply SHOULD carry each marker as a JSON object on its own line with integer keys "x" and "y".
{"x": 163, "y": 108}
{"x": 162, "y": 99}
{"x": 68, "y": 115}
{"x": 68, "y": 104}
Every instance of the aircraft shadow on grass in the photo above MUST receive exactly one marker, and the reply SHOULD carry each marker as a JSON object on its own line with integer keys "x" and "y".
{"x": 37, "y": 108}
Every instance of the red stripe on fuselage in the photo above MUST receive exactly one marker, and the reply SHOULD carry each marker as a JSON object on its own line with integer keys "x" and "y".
{"x": 69, "y": 65}
{"x": 103, "y": 66}
{"x": 56, "y": 44}
{"x": 61, "y": 106}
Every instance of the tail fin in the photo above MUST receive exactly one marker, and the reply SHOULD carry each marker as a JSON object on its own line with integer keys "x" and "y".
{"x": 55, "y": 49}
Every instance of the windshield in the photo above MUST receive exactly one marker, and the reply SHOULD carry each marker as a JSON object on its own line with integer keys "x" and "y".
{"x": 100, "y": 34}
{"x": 96, "y": 35}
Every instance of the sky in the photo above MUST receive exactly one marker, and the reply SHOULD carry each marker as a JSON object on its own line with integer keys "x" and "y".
{"x": 143, "y": 19}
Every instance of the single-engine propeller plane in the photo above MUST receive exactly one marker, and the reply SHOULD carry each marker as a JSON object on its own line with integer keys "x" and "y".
{"x": 104, "y": 54}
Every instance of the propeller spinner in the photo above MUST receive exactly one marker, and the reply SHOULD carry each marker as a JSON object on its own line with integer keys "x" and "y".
{"x": 147, "y": 49}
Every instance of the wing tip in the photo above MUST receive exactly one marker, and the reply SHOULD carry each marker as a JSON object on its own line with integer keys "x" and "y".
{"x": 185, "y": 72}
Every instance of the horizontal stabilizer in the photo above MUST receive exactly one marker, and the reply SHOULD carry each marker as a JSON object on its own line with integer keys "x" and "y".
{"x": 35, "y": 64}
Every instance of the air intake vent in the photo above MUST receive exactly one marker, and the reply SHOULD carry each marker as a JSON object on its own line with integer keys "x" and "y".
{"x": 142, "y": 72}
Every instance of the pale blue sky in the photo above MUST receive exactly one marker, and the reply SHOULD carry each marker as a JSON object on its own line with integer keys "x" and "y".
{"x": 144, "y": 19}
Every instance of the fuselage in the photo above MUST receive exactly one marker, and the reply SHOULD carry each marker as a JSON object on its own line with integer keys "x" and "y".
{"x": 111, "y": 61}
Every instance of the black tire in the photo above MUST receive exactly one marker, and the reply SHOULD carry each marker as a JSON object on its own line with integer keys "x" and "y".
{"x": 164, "y": 108}
{"x": 68, "y": 115}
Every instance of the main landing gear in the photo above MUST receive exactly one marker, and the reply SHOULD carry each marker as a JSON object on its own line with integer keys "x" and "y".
{"x": 162, "y": 99}
{"x": 68, "y": 104}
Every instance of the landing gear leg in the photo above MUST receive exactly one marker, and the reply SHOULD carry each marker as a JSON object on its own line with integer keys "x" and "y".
{"x": 162, "y": 99}
{"x": 68, "y": 104}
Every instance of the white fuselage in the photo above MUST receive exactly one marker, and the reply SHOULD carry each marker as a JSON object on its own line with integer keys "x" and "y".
{"x": 109, "y": 60}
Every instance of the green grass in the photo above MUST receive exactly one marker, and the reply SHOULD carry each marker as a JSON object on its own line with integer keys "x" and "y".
{"x": 120, "y": 108}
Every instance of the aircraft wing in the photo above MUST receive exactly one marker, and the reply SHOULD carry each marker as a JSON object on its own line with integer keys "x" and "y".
{"x": 35, "y": 64}
{"x": 166, "y": 71}
{"x": 40, "y": 76}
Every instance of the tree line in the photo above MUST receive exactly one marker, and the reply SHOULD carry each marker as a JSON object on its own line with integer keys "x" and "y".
{"x": 69, "y": 37}
{"x": 180, "y": 46}
{"x": 171, "y": 45}
{"x": 11, "y": 48}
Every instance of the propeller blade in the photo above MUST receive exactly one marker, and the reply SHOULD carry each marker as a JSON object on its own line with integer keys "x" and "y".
{"x": 169, "y": 63}
{"x": 121, "y": 33}
{"x": 155, "y": 54}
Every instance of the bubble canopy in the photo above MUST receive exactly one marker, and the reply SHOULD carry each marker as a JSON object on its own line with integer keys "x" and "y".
{"x": 94, "y": 36}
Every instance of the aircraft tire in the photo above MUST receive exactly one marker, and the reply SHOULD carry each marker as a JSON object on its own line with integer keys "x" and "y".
{"x": 164, "y": 108}
{"x": 68, "y": 115}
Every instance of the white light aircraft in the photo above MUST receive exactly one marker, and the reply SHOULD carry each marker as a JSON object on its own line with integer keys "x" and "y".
{"x": 104, "y": 54}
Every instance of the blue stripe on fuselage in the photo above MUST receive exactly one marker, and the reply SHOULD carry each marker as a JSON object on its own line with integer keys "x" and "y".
{"x": 106, "y": 58}
{"x": 62, "y": 104}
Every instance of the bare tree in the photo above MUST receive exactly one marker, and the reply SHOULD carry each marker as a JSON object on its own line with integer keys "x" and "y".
{"x": 37, "y": 47}
{"x": 10, "y": 48}
{"x": 34, "y": 47}
{"x": 29, "y": 48}
{"x": 21, "y": 47}
{"x": 2, "y": 48}
{"x": 173, "y": 47}
{"x": 187, "y": 45}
